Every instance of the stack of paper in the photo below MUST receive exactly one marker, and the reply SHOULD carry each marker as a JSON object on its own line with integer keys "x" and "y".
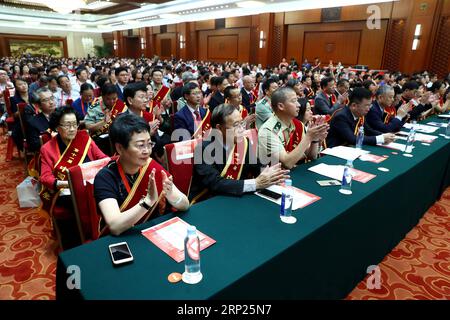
{"x": 421, "y": 127}
{"x": 428, "y": 138}
{"x": 394, "y": 145}
{"x": 345, "y": 153}
{"x": 438, "y": 124}
{"x": 337, "y": 171}
{"x": 446, "y": 116}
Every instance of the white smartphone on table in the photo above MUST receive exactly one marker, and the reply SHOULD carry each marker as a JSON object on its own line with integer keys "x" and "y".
{"x": 120, "y": 253}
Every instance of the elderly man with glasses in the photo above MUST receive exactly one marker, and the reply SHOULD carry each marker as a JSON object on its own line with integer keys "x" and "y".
{"x": 225, "y": 163}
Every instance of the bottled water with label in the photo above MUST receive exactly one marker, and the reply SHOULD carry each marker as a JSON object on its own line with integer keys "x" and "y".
{"x": 346, "y": 186}
{"x": 410, "y": 139}
{"x": 447, "y": 130}
{"x": 286, "y": 204}
{"x": 192, "y": 272}
{"x": 360, "y": 138}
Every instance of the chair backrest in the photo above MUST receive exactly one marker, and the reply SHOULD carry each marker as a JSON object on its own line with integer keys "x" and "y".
{"x": 81, "y": 179}
{"x": 21, "y": 107}
{"x": 44, "y": 137}
{"x": 179, "y": 161}
{"x": 7, "y": 96}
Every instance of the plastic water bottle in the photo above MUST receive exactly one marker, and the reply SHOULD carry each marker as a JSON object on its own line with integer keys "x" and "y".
{"x": 192, "y": 273}
{"x": 447, "y": 130}
{"x": 360, "y": 138}
{"x": 410, "y": 140}
{"x": 286, "y": 204}
{"x": 346, "y": 186}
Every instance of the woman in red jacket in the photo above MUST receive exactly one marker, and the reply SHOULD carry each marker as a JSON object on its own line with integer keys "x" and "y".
{"x": 68, "y": 148}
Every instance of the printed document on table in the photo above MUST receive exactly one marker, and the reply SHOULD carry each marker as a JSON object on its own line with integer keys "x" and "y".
{"x": 337, "y": 171}
{"x": 421, "y": 127}
{"x": 345, "y": 153}
{"x": 301, "y": 198}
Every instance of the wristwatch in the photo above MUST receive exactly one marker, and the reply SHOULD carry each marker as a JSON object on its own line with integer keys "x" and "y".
{"x": 144, "y": 204}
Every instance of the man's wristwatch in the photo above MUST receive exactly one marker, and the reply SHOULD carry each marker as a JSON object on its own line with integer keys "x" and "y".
{"x": 144, "y": 204}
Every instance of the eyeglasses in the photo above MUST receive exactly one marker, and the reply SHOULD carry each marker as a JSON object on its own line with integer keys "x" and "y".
{"x": 145, "y": 146}
{"x": 52, "y": 98}
{"x": 68, "y": 126}
{"x": 240, "y": 125}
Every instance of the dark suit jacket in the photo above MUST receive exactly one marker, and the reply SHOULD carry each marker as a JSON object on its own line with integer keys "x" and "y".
{"x": 36, "y": 126}
{"x": 246, "y": 101}
{"x": 208, "y": 175}
{"x": 216, "y": 100}
{"x": 322, "y": 105}
{"x": 416, "y": 111}
{"x": 176, "y": 93}
{"x": 342, "y": 128}
{"x": 183, "y": 119}
{"x": 119, "y": 92}
{"x": 375, "y": 119}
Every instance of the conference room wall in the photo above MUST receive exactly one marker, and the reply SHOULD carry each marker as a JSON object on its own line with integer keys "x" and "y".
{"x": 224, "y": 45}
{"x": 349, "y": 42}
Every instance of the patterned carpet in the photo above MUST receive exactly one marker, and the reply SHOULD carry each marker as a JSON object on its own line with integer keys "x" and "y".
{"x": 418, "y": 268}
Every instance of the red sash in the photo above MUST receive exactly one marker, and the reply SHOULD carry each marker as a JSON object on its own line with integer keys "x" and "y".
{"x": 235, "y": 161}
{"x": 255, "y": 91}
{"x": 203, "y": 128}
{"x": 74, "y": 155}
{"x": 310, "y": 92}
{"x": 390, "y": 112}
{"x": 360, "y": 123}
{"x": 139, "y": 188}
{"x": 233, "y": 167}
{"x": 295, "y": 137}
{"x": 118, "y": 108}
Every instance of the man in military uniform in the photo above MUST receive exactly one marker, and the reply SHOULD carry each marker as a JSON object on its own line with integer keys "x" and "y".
{"x": 98, "y": 117}
{"x": 282, "y": 138}
{"x": 263, "y": 108}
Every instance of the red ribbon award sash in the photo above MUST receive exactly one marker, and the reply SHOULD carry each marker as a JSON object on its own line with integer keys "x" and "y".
{"x": 295, "y": 137}
{"x": 73, "y": 155}
{"x": 204, "y": 126}
{"x": 233, "y": 167}
{"x": 140, "y": 186}
{"x": 360, "y": 123}
{"x": 390, "y": 112}
{"x": 118, "y": 108}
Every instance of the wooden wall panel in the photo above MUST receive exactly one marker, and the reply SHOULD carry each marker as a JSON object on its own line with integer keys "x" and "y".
{"x": 371, "y": 44}
{"x": 238, "y": 22}
{"x": 159, "y": 45}
{"x": 337, "y": 46}
{"x": 353, "y": 13}
{"x": 171, "y": 28}
{"x": 441, "y": 54}
{"x": 222, "y": 47}
{"x": 446, "y": 8}
{"x": 205, "y": 25}
{"x": 305, "y": 16}
{"x": 402, "y": 9}
{"x": 243, "y": 44}
{"x": 394, "y": 42}
{"x": 132, "y": 47}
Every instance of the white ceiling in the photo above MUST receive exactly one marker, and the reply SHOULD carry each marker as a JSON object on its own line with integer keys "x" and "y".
{"x": 158, "y": 14}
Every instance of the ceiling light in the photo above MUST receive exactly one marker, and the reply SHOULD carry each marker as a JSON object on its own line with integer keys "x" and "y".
{"x": 168, "y": 16}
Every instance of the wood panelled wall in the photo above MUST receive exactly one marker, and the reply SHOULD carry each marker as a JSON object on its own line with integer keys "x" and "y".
{"x": 301, "y": 34}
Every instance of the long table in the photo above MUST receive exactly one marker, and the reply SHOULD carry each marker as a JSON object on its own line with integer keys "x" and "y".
{"x": 323, "y": 256}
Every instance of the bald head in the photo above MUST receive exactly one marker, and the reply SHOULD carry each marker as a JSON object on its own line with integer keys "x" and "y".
{"x": 248, "y": 82}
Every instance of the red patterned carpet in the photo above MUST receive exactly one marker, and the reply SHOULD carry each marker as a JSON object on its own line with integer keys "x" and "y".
{"x": 418, "y": 268}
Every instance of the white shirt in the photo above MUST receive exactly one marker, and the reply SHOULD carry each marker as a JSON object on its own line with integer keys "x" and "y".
{"x": 62, "y": 96}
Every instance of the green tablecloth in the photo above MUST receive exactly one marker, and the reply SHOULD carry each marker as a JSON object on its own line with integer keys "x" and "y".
{"x": 323, "y": 256}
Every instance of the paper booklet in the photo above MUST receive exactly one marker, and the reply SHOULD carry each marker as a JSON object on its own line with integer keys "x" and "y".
{"x": 346, "y": 153}
{"x": 337, "y": 171}
{"x": 169, "y": 237}
{"x": 421, "y": 128}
